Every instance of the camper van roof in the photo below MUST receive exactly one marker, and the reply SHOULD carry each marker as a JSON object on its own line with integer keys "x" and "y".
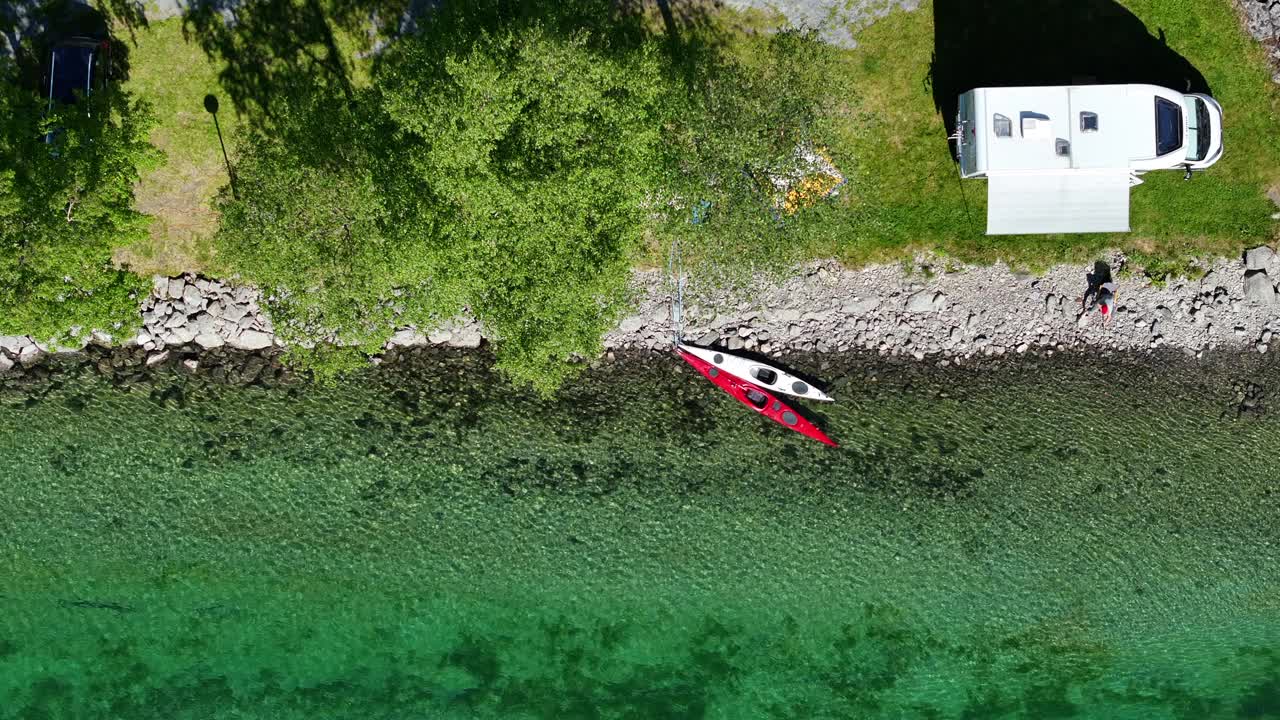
{"x": 1085, "y": 127}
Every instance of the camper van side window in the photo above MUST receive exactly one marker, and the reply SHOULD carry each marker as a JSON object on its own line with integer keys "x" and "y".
{"x": 1002, "y": 125}
{"x": 1088, "y": 121}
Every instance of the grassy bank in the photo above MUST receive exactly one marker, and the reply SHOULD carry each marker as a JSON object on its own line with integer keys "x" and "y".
{"x": 905, "y": 194}
{"x": 174, "y": 75}
{"x": 518, "y": 158}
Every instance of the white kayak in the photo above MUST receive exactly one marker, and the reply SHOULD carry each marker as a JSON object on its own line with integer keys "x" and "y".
{"x": 754, "y": 371}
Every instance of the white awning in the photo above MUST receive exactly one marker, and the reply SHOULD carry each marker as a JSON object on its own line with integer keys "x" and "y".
{"x": 1058, "y": 203}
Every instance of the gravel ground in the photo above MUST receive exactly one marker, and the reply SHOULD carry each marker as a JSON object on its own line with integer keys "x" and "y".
{"x": 1262, "y": 21}
{"x": 949, "y": 316}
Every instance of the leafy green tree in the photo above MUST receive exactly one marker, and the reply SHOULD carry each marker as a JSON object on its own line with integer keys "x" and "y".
{"x": 540, "y": 150}
{"x": 514, "y": 159}
{"x": 505, "y": 173}
{"x": 65, "y": 206}
{"x": 310, "y": 225}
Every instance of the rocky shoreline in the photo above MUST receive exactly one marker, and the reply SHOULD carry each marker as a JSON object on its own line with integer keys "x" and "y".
{"x": 932, "y": 311}
{"x": 1262, "y": 22}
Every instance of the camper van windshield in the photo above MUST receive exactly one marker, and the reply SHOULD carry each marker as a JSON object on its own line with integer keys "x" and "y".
{"x": 1198, "y": 131}
{"x": 1168, "y": 126}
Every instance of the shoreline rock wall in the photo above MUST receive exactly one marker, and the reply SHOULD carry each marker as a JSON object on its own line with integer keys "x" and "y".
{"x": 930, "y": 312}
{"x": 950, "y": 316}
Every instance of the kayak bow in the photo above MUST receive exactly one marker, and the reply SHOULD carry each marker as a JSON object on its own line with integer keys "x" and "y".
{"x": 756, "y": 398}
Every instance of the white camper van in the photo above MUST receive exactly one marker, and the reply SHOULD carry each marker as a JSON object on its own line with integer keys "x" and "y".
{"x": 1062, "y": 159}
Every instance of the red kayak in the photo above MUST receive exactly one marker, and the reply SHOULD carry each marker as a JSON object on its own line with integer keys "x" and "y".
{"x": 756, "y": 398}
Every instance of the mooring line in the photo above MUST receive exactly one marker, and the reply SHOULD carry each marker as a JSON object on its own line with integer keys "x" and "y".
{"x": 675, "y": 273}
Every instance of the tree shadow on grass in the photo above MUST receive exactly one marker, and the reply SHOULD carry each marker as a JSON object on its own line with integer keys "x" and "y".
{"x": 272, "y": 49}
{"x": 1004, "y": 43}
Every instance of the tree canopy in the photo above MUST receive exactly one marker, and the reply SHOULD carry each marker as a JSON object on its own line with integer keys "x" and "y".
{"x": 514, "y": 164}
{"x": 65, "y": 206}
{"x": 505, "y": 173}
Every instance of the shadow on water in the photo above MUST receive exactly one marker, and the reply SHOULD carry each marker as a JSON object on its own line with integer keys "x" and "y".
{"x": 998, "y": 43}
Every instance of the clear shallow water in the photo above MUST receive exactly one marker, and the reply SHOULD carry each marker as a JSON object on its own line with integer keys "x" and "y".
{"x": 1042, "y": 540}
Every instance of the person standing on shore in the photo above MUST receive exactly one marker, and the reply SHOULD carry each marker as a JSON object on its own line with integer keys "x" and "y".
{"x": 1101, "y": 293}
{"x": 1107, "y": 301}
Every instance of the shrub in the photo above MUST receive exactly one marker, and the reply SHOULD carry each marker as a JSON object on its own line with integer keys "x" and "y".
{"x": 64, "y": 207}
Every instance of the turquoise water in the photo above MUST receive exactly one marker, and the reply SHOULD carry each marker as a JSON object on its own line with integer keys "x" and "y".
{"x": 1045, "y": 539}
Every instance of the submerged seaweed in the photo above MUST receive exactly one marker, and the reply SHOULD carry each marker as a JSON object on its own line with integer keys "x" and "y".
{"x": 1075, "y": 541}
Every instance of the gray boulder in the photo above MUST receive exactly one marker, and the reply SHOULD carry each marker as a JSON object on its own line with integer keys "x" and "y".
{"x": 204, "y": 323}
{"x": 209, "y": 340}
{"x": 183, "y": 335}
{"x": 467, "y": 337}
{"x": 926, "y": 301}
{"x": 1258, "y": 288}
{"x": 156, "y": 358}
{"x": 176, "y": 287}
{"x": 253, "y": 340}
{"x": 5, "y": 363}
{"x": 408, "y": 337}
{"x": 233, "y": 313}
{"x": 13, "y": 343}
{"x": 1257, "y": 258}
{"x": 29, "y": 355}
{"x": 631, "y": 324}
{"x": 861, "y": 306}
{"x": 191, "y": 297}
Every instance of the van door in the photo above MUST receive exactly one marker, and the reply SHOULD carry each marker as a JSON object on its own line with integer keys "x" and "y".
{"x": 967, "y": 136}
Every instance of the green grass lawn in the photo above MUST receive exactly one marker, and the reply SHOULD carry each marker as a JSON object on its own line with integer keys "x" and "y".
{"x": 904, "y": 193}
{"x": 174, "y": 76}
